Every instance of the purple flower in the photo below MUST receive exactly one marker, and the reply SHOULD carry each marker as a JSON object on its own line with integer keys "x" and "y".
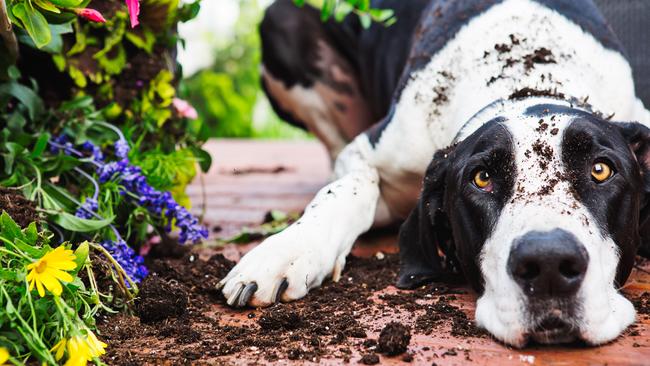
{"x": 132, "y": 181}
{"x": 95, "y": 150}
{"x": 87, "y": 208}
{"x": 122, "y": 149}
{"x": 132, "y": 263}
{"x": 107, "y": 171}
{"x": 156, "y": 202}
{"x": 61, "y": 143}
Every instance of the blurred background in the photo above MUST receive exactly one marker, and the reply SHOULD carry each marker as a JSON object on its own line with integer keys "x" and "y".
{"x": 220, "y": 63}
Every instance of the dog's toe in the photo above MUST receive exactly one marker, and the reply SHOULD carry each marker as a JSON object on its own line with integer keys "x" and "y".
{"x": 282, "y": 268}
{"x": 246, "y": 294}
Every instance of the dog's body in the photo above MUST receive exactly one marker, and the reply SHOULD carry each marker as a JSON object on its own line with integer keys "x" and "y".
{"x": 499, "y": 87}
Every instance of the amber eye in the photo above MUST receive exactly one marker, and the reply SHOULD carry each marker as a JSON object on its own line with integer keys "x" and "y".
{"x": 601, "y": 172}
{"x": 482, "y": 179}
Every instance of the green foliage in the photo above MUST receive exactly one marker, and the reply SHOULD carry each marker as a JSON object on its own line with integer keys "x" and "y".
{"x": 31, "y": 324}
{"x": 339, "y": 9}
{"x": 123, "y": 83}
{"x": 44, "y": 21}
{"x": 169, "y": 172}
{"x": 227, "y": 94}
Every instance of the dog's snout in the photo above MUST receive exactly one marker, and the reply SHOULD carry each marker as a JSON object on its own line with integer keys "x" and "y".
{"x": 548, "y": 264}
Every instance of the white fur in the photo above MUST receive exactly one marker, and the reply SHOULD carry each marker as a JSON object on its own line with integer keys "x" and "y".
{"x": 502, "y": 308}
{"x": 315, "y": 246}
{"x": 310, "y": 250}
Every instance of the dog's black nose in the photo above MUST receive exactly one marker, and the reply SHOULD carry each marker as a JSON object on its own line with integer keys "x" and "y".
{"x": 548, "y": 264}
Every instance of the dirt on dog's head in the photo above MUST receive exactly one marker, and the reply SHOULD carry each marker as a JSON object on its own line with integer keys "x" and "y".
{"x": 541, "y": 205}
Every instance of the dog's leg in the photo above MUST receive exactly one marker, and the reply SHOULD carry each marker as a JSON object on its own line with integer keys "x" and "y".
{"x": 287, "y": 265}
{"x": 310, "y": 75}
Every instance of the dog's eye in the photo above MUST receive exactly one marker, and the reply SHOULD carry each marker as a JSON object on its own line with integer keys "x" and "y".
{"x": 601, "y": 172}
{"x": 482, "y": 180}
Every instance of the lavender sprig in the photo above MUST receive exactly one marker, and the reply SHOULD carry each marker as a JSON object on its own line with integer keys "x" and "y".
{"x": 133, "y": 182}
{"x": 123, "y": 254}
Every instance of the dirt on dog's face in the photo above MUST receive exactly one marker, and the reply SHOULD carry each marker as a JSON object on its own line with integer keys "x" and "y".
{"x": 540, "y": 207}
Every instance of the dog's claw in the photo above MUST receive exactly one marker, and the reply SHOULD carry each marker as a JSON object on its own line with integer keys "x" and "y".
{"x": 246, "y": 294}
{"x": 233, "y": 299}
{"x": 221, "y": 284}
{"x": 281, "y": 289}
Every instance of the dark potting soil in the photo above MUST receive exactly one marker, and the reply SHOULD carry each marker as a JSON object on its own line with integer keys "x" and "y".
{"x": 181, "y": 318}
{"x": 22, "y": 210}
{"x": 394, "y": 339}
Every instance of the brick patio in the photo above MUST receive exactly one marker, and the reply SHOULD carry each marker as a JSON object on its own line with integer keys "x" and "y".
{"x": 250, "y": 178}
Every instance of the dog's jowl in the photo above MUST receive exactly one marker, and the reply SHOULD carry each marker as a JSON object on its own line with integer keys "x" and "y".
{"x": 496, "y": 143}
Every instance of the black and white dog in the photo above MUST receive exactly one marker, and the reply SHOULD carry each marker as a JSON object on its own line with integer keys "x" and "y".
{"x": 534, "y": 193}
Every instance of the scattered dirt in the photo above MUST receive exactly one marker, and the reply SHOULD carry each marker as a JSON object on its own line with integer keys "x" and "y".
{"x": 182, "y": 318}
{"x": 370, "y": 359}
{"x": 539, "y": 56}
{"x": 258, "y": 170}
{"x": 531, "y": 92}
{"x": 642, "y": 304}
{"x": 394, "y": 339}
{"x": 22, "y": 210}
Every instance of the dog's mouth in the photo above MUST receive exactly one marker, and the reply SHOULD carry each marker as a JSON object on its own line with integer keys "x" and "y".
{"x": 553, "y": 330}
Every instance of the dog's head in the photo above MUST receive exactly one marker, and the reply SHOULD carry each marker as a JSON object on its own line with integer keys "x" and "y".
{"x": 542, "y": 208}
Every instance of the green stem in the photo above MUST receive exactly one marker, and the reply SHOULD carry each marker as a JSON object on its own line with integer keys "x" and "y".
{"x": 32, "y": 338}
{"x": 9, "y": 243}
{"x": 31, "y": 305}
{"x": 120, "y": 272}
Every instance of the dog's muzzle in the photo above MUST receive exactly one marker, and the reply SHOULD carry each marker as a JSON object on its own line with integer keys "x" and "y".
{"x": 549, "y": 267}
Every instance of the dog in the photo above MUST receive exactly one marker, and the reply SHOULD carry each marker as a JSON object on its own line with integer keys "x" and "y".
{"x": 507, "y": 137}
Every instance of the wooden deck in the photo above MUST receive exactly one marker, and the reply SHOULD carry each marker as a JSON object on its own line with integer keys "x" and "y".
{"x": 249, "y": 178}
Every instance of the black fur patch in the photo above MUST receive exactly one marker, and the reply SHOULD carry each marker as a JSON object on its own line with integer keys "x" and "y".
{"x": 615, "y": 204}
{"x": 452, "y": 214}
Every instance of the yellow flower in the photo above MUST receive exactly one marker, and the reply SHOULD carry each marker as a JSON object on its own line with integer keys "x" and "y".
{"x": 49, "y": 270}
{"x": 83, "y": 349}
{"x": 4, "y": 355}
{"x": 78, "y": 352}
{"x": 97, "y": 347}
{"x": 59, "y": 348}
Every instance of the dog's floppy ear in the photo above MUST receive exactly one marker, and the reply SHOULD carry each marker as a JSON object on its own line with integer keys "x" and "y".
{"x": 425, "y": 228}
{"x": 638, "y": 137}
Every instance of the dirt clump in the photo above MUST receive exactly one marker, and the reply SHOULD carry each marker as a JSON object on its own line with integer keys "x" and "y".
{"x": 280, "y": 318}
{"x": 21, "y": 210}
{"x": 370, "y": 359}
{"x": 160, "y": 299}
{"x": 394, "y": 339}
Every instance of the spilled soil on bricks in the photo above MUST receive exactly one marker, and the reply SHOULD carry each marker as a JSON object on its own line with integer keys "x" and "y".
{"x": 180, "y": 318}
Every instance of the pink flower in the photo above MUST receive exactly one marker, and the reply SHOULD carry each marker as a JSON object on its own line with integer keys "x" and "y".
{"x": 184, "y": 109}
{"x": 134, "y": 11}
{"x": 91, "y": 14}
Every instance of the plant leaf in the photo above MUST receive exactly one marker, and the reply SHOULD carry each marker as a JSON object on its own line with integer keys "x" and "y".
{"x": 67, "y": 3}
{"x": 76, "y": 224}
{"x": 10, "y": 230}
{"x": 35, "y": 24}
{"x": 25, "y": 96}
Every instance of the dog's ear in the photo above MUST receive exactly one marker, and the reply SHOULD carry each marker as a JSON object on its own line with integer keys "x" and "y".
{"x": 425, "y": 228}
{"x": 638, "y": 137}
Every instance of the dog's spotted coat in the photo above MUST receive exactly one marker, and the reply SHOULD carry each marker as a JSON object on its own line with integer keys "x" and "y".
{"x": 521, "y": 89}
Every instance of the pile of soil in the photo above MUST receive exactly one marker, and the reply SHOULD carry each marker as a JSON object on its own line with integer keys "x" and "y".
{"x": 183, "y": 319}
{"x": 22, "y": 210}
{"x": 394, "y": 339}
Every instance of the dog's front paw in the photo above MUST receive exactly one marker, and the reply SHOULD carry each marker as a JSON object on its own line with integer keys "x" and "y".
{"x": 283, "y": 268}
